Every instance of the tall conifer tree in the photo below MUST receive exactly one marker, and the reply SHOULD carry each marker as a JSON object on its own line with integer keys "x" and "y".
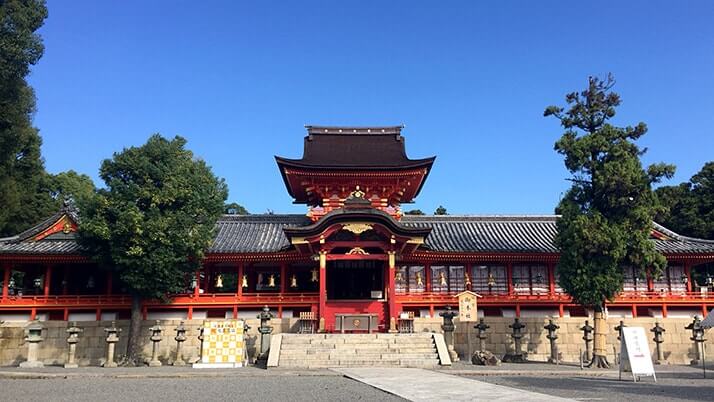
{"x": 606, "y": 216}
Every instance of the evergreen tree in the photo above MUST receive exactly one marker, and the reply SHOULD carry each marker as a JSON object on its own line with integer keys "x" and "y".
{"x": 440, "y": 211}
{"x": 235, "y": 209}
{"x": 22, "y": 200}
{"x": 414, "y": 212}
{"x": 690, "y": 205}
{"x": 152, "y": 222}
{"x": 607, "y": 214}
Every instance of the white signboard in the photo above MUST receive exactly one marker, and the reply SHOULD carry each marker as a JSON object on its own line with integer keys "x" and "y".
{"x": 222, "y": 344}
{"x": 635, "y": 354}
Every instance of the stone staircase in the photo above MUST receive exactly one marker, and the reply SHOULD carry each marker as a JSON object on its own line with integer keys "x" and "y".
{"x": 425, "y": 350}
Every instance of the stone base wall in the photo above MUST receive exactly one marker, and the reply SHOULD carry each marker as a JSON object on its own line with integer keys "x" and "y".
{"x": 92, "y": 347}
{"x": 677, "y": 347}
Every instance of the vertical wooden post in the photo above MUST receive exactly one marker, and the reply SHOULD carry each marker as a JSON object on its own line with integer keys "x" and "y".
{"x": 235, "y": 311}
{"x": 551, "y": 279}
{"x": 6, "y": 281}
{"x": 239, "y": 289}
{"x": 280, "y": 311}
{"x": 283, "y": 277}
{"x": 48, "y": 277}
{"x": 634, "y": 311}
{"x": 189, "y": 314}
{"x": 509, "y": 277}
{"x": 704, "y": 310}
{"x": 323, "y": 284}
{"x": 65, "y": 314}
{"x": 561, "y": 310}
{"x": 688, "y": 272}
{"x": 664, "y": 311}
{"x": 391, "y": 288}
{"x": 33, "y": 314}
{"x": 427, "y": 279}
{"x": 98, "y": 314}
{"x": 469, "y": 272}
{"x": 518, "y": 310}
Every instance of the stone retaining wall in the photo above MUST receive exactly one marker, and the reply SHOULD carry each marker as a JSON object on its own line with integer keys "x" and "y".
{"x": 91, "y": 348}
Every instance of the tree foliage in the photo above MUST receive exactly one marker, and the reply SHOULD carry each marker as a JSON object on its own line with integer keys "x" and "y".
{"x": 156, "y": 216}
{"x": 440, "y": 211}
{"x": 68, "y": 185}
{"x": 607, "y": 213}
{"x": 414, "y": 212}
{"x": 21, "y": 166}
{"x": 690, "y": 205}
{"x": 235, "y": 209}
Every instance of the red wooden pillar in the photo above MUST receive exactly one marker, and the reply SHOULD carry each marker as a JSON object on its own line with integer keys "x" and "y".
{"x": 189, "y": 314}
{"x": 280, "y": 311}
{"x": 48, "y": 276}
{"x": 688, "y": 272}
{"x": 33, "y": 313}
{"x": 239, "y": 289}
{"x": 98, "y": 314}
{"x": 509, "y": 277}
{"x": 664, "y": 311}
{"x": 323, "y": 283}
{"x": 391, "y": 289}
{"x": 561, "y": 310}
{"x": 518, "y": 310}
{"x": 704, "y": 310}
{"x": 235, "y": 311}
{"x": 427, "y": 279}
{"x": 634, "y": 311}
{"x": 551, "y": 280}
{"x": 5, "y": 280}
{"x": 283, "y": 277}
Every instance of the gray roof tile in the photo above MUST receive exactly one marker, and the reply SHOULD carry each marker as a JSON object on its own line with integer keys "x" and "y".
{"x": 468, "y": 234}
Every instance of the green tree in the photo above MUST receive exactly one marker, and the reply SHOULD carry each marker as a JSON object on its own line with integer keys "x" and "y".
{"x": 690, "y": 205}
{"x": 153, "y": 221}
{"x": 606, "y": 216}
{"x": 21, "y": 166}
{"x": 440, "y": 211}
{"x": 69, "y": 184}
{"x": 235, "y": 209}
{"x": 414, "y": 212}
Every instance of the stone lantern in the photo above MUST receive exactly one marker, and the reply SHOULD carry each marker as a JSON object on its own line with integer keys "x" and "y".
{"x": 180, "y": 338}
{"x": 112, "y": 339}
{"x": 265, "y": 330}
{"x": 448, "y": 327}
{"x": 552, "y": 336}
{"x": 588, "y": 338}
{"x": 658, "y": 339}
{"x": 72, "y": 339}
{"x": 33, "y": 337}
{"x": 155, "y": 338}
{"x": 517, "y": 356}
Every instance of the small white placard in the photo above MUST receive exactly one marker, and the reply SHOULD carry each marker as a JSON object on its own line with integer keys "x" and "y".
{"x": 635, "y": 354}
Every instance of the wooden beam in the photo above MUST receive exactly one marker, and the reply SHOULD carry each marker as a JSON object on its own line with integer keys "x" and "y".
{"x": 6, "y": 280}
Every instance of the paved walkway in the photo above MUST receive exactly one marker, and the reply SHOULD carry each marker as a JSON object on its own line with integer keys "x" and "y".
{"x": 424, "y": 385}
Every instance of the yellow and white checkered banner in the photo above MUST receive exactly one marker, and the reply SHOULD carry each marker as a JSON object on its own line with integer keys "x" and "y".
{"x": 222, "y": 344}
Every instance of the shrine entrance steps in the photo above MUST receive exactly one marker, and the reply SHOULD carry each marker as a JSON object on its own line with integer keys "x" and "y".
{"x": 424, "y": 350}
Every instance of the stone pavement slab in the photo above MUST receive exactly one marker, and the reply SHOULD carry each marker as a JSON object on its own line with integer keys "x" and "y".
{"x": 424, "y": 385}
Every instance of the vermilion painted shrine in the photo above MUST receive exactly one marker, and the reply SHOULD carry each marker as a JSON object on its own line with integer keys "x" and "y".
{"x": 353, "y": 253}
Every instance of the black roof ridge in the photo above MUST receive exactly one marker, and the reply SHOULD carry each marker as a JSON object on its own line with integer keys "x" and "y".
{"x": 482, "y": 217}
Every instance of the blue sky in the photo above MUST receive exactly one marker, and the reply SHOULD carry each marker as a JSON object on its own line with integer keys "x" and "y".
{"x": 470, "y": 81}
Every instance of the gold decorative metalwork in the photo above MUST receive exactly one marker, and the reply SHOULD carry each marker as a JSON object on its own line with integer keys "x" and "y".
{"x": 398, "y": 277}
{"x": 244, "y": 282}
{"x": 491, "y": 280}
{"x": 419, "y": 280}
{"x": 442, "y": 279}
{"x": 467, "y": 279}
{"x": 356, "y": 322}
{"x": 357, "y": 228}
{"x": 314, "y": 275}
{"x": 67, "y": 227}
{"x": 219, "y": 281}
{"x": 271, "y": 281}
{"x": 357, "y": 193}
{"x": 293, "y": 281}
{"x": 357, "y": 251}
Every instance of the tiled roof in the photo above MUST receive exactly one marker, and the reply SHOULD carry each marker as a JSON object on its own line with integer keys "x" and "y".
{"x": 517, "y": 234}
{"x": 254, "y": 233}
{"x": 450, "y": 233}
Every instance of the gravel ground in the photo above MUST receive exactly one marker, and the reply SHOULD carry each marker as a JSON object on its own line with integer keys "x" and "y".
{"x": 669, "y": 387}
{"x": 254, "y": 388}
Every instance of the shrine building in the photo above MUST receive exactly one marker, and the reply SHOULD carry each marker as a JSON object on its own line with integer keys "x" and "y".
{"x": 354, "y": 252}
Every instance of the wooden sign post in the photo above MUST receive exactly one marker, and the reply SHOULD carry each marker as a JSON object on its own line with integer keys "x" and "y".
{"x": 468, "y": 313}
